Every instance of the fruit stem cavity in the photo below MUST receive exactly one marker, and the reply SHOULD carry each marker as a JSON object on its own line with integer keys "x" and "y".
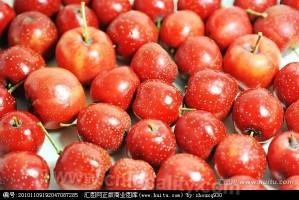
{"x": 16, "y": 122}
{"x": 293, "y": 142}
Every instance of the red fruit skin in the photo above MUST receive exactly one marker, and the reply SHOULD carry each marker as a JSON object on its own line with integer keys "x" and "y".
{"x": 227, "y": 24}
{"x": 281, "y": 26}
{"x": 292, "y": 183}
{"x": 104, "y": 125}
{"x": 17, "y": 62}
{"x": 286, "y": 83}
{"x": 198, "y": 53}
{"x": 8, "y": 14}
{"x": 291, "y": 3}
{"x": 241, "y": 183}
{"x": 67, "y": 2}
{"x": 211, "y": 91}
{"x": 84, "y": 60}
{"x": 69, "y": 17}
{"x": 7, "y": 102}
{"x": 251, "y": 69}
{"x": 240, "y": 155}
{"x": 204, "y": 8}
{"x": 177, "y": 27}
{"x": 82, "y": 166}
{"x": 292, "y": 116}
{"x": 24, "y": 171}
{"x": 256, "y": 5}
{"x": 129, "y": 174}
{"x": 34, "y": 30}
{"x": 151, "y": 61}
{"x": 116, "y": 87}
{"x": 283, "y": 157}
{"x": 27, "y": 136}
{"x": 151, "y": 141}
{"x": 107, "y": 11}
{"x": 199, "y": 133}
{"x": 51, "y": 91}
{"x": 157, "y": 100}
{"x": 130, "y": 31}
{"x": 185, "y": 172}
{"x": 258, "y": 111}
{"x": 157, "y": 10}
{"x": 47, "y": 7}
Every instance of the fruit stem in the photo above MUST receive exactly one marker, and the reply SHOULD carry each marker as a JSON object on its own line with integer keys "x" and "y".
{"x": 16, "y": 122}
{"x": 295, "y": 51}
{"x": 86, "y": 37}
{"x": 187, "y": 109}
{"x": 13, "y": 88}
{"x": 257, "y": 44}
{"x": 159, "y": 23}
{"x": 255, "y": 13}
{"x": 293, "y": 142}
{"x": 62, "y": 125}
{"x": 57, "y": 149}
{"x": 152, "y": 127}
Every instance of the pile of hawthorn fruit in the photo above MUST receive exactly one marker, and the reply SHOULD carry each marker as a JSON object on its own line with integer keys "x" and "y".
{"x": 228, "y": 58}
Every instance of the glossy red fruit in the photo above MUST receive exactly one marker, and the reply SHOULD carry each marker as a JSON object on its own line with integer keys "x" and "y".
{"x": 281, "y": 25}
{"x": 24, "y": 171}
{"x": 151, "y": 141}
{"x": 227, "y": 24}
{"x": 256, "y": 5}
{"x": 204, "y": 8}
{"x": 283, "y": 156}
{"x": 56, "y": 95}
{"x": 198, "y": 53}
{"x": 7, "y": 101}
{"x": 156, "y": 9}
{"x": 151, "y": 61}
{"x": 130, "y": 31}
{"x": 286, "y": 84}
{"x": 82, "y": 166}
{"x": 19, "y": 132}
{"x": 34, "y": 30}
{"x": 292, "y": 183}
{"x": 199, "y": 132}
{"x": 104, "y": 125}
{"x": 129, "y": 174}
{"x": 70, "y": 17}
{"x": 241, "y": 183}
{"x": 240, "y": 155}
{"x": 47, "y": 7}
{"x": 7, "y": 14}
{"x": 157, "y": 100}
{"x": 177, "y": 27}
{"x": 107, "y": 11}
{"x": 185, "y": 172}
{"x": 85, "y": 59}
{"x": 17, "y": 62}
{"x": 211, "y": 91}
{"x": 292, "y": 116}
{"x": 257, "y": 112}
{"x": 116, "y": 87}
{"x": 66, "y": 2}
{"x": 253, "y": 60}
{"x": 291, "y": 3}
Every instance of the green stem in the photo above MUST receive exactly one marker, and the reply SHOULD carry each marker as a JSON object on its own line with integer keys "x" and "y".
{"x": 57, "y": 149}
{"x": 13, "y": 88}
{"x": 16, "y": 122}
{"x": 255, "y": 13}
{"x": 86, "y": 37}
{"x": 257, "y": 44}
